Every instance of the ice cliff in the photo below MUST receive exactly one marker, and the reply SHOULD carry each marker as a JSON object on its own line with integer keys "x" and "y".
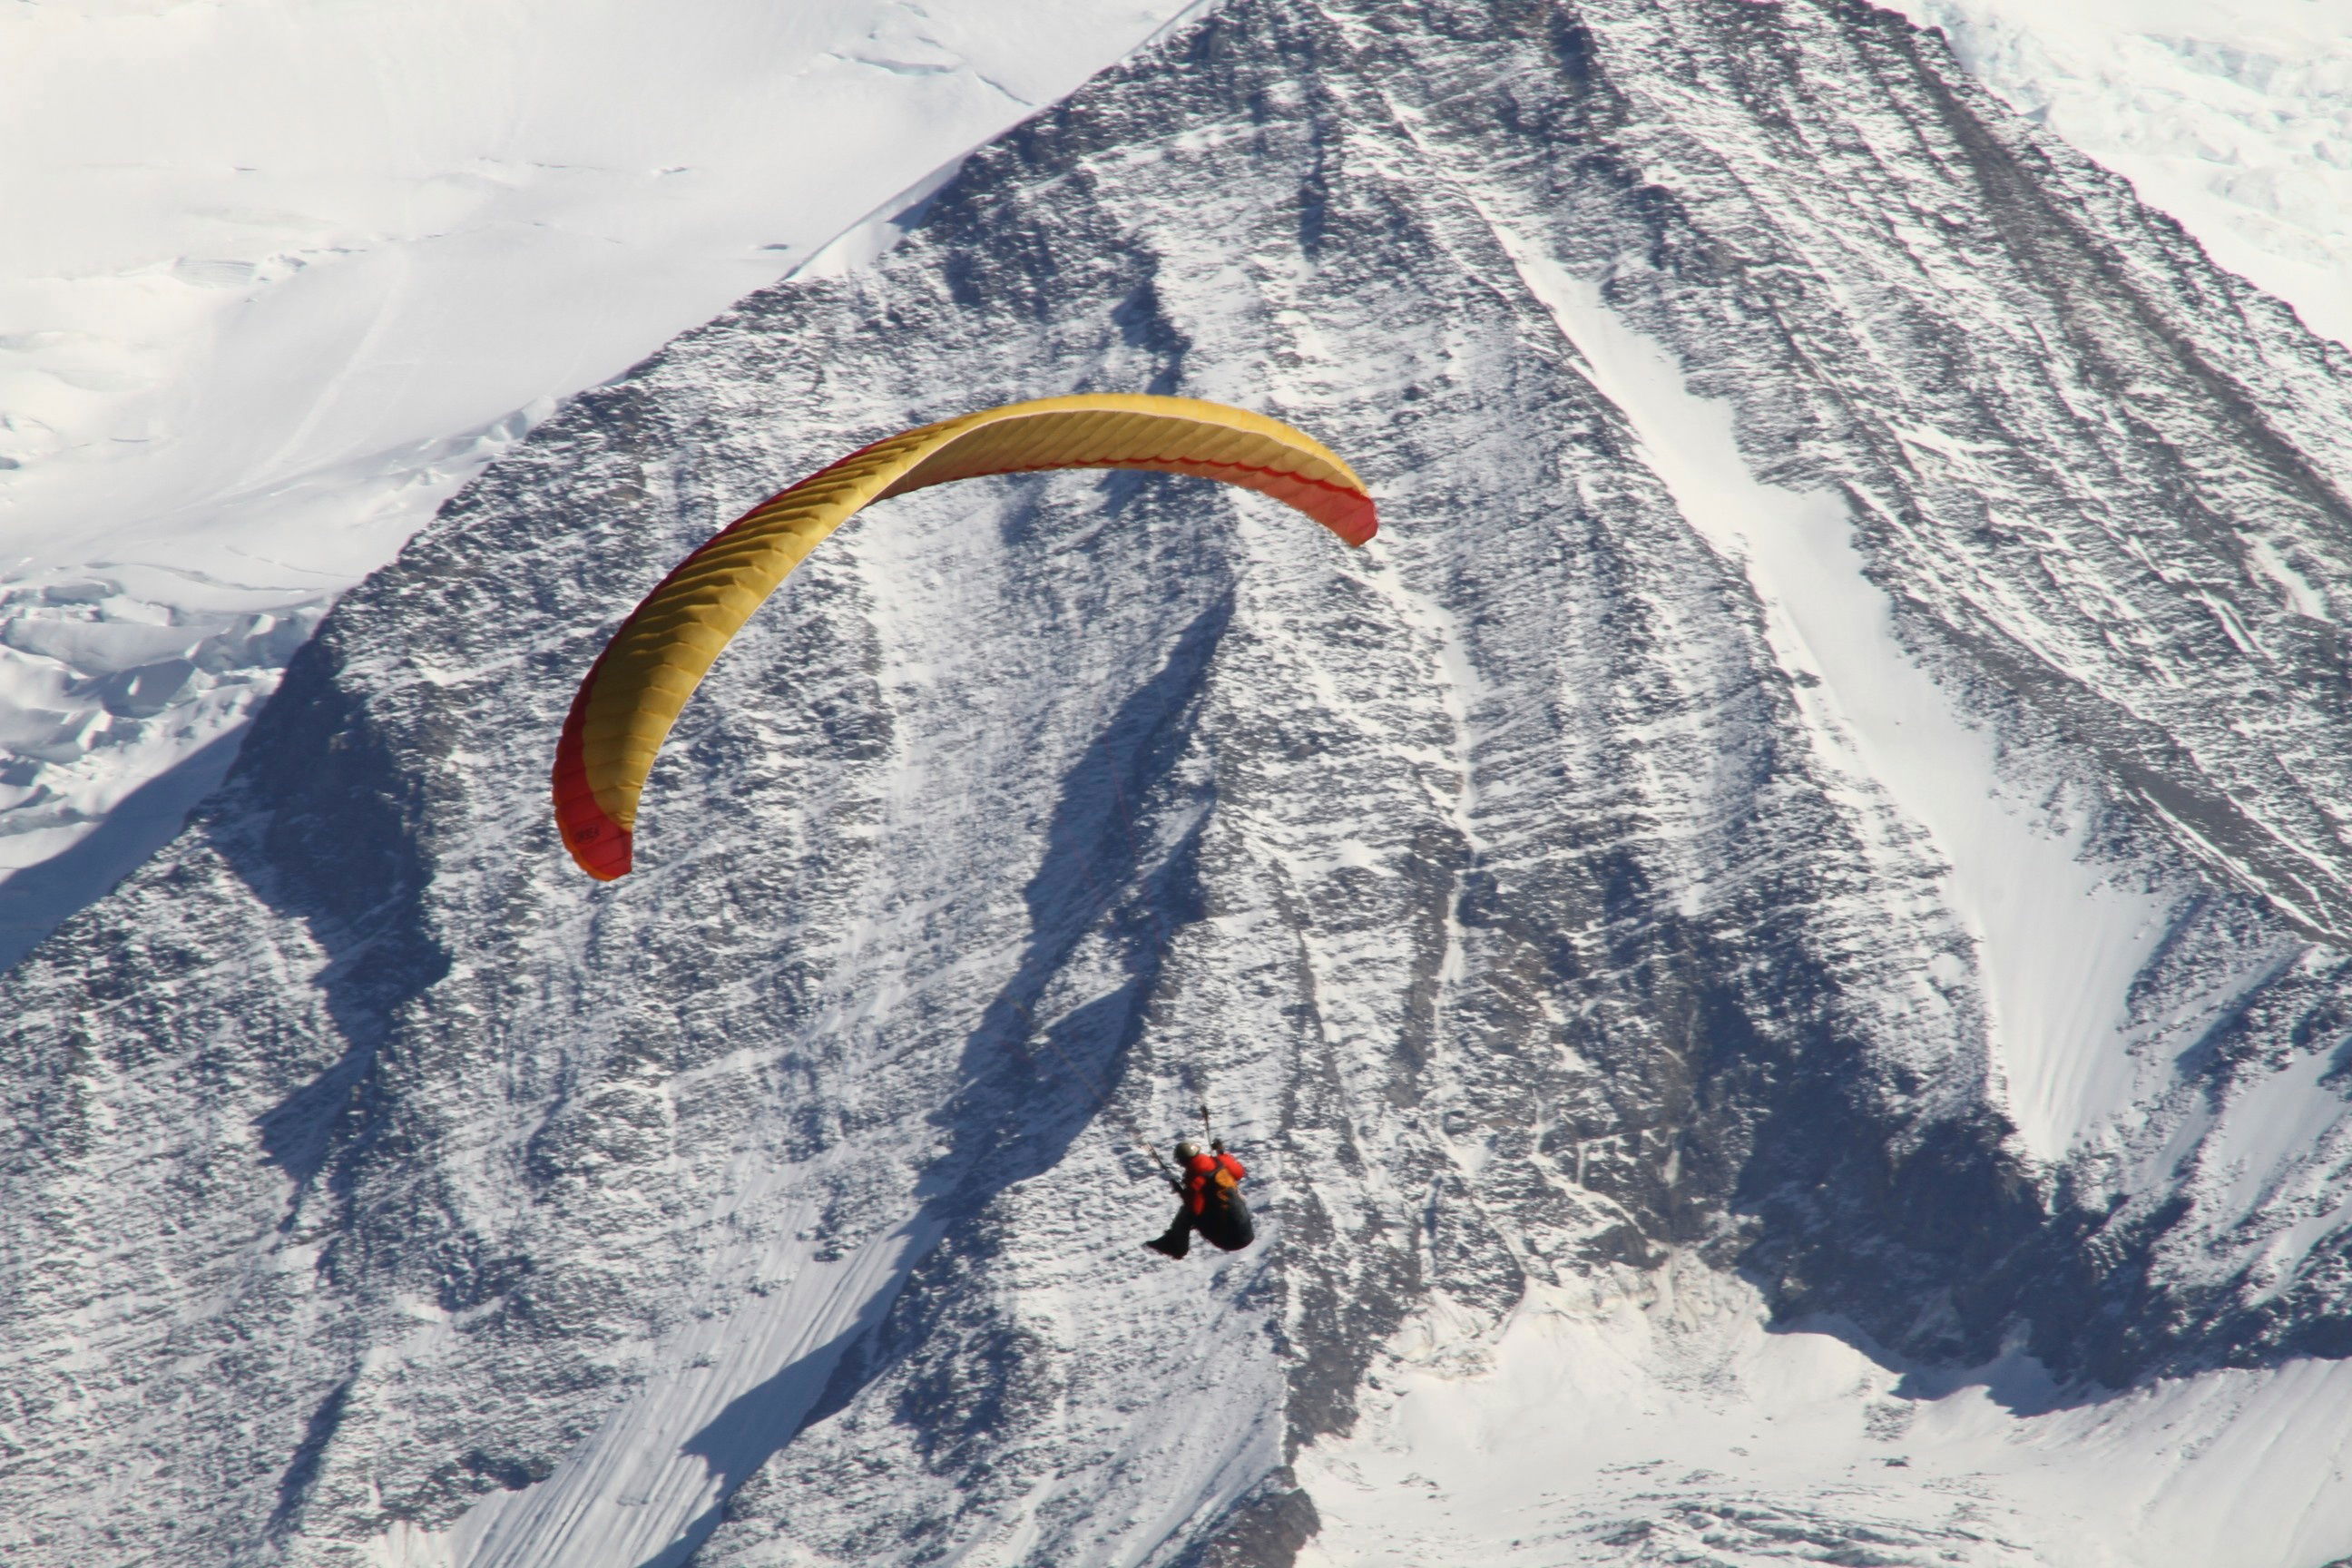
{"x": 1821, "y": 812}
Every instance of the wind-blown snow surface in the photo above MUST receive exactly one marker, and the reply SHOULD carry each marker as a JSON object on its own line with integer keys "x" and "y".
{"x": 278, "y": 279}
{"x": 1591, "y": 894}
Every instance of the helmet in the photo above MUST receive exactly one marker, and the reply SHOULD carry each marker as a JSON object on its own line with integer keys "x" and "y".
{"x": 1188, "y": 1150}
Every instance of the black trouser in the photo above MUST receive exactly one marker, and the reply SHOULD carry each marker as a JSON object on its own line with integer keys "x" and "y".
{"x": 1223, "y": 1222}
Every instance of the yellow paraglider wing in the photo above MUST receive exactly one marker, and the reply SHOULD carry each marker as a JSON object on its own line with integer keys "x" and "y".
{"x": 632, "y": 693}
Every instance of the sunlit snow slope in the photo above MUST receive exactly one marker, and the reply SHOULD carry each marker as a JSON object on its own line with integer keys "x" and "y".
{"x": 277, "y": 278}
{"x": 1673, "y": 1425}
{"x": 492, "y": 207}
{"x": 2234, "y": 116}
{"x": 1804, "y": 879}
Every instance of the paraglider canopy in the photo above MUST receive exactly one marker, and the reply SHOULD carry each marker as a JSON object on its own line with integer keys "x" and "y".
{"x": 632, "y": 695}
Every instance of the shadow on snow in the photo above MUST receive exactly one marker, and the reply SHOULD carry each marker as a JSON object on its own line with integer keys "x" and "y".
{"x": 1023, "y": 1104}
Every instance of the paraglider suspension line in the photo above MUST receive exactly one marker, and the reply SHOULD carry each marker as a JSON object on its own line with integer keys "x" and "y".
{"x": 1104, "y": 1096}
{"x": 1196, "y": 1079}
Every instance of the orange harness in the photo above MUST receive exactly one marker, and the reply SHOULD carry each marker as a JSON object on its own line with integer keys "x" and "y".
{"x": 1204, "y": 1172}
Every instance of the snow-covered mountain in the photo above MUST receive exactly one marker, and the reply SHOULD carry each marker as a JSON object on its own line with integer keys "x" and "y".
{"x": 1776, "y": 944}
{"x": 281, "y": 278}
{"x": 278, "y": 279}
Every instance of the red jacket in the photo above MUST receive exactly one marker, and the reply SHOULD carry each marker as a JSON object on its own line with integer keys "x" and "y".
{"x": 1204, "y": 1172}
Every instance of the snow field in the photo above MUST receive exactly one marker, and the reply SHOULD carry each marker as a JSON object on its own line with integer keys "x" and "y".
{"x": 1566, "y": 1438}
{"x": 2236, "y": 118}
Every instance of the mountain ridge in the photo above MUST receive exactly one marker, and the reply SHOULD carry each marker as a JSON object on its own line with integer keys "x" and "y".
{"x": 1544, "y": 896}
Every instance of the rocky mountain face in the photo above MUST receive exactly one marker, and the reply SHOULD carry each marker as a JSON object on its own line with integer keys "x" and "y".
{"x": 1830, "y": 776}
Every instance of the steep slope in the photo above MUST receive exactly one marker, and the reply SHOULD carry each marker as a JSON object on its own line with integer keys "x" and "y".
{"x": 1870, "y": 842}
{"x": 2231, "y": 117}
{"x": 285, "y": 278}
{"x": 281, "y": 278}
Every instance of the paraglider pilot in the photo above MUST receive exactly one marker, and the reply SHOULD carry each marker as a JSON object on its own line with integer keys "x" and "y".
{"x": 1212, "y": 1206}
